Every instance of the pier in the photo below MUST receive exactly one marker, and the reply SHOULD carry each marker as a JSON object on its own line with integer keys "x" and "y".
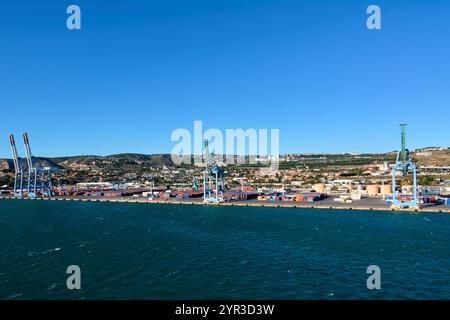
{"x": 327, "y": 205}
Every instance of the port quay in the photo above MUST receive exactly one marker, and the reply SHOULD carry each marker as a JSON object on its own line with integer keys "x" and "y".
{"x": 400, "y": 185}
{"x": 370, "y": 205}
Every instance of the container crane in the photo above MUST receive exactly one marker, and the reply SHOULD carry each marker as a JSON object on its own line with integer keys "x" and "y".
{"x": 31, "y": 185}
{"x": 18, "y": 172}
{"x": 212, "y": 171}
{"x": 405, "y": 166}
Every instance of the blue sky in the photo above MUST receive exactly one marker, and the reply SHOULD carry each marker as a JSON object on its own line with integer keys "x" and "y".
{"x": 140, "y": 69}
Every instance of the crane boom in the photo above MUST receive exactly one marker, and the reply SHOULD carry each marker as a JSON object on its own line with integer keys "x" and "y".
{"x": 207, "y": 156}
{"x": 14, "y": 153}
{"x": 28, "y": 151}
{"x": 403, "y": 152}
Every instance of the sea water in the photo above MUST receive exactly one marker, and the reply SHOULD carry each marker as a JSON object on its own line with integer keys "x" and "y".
{"x": 167, "y": 251}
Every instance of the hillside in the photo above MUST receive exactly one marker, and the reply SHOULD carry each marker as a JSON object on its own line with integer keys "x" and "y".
{"x": 433, "y": 158}
{"x": 117, "y": 159}
{"x": 4, "y": 164}
{"x": 132, "y": 161}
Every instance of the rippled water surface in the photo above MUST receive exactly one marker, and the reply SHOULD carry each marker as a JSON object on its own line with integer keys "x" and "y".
{"x": 152, "y": 251}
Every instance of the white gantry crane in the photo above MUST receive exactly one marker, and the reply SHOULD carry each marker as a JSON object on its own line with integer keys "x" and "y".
{"x": 18, "y": 172}
{"x": 44, "y": 174}
{"x": 32, "y": 171}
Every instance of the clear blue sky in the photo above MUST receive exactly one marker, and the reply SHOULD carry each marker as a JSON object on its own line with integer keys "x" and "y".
{"x": 140, "y": 69}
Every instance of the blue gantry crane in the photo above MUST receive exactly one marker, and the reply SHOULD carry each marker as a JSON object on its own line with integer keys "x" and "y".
{"x": 405, "y": 166}
{"x": 212, "y": 172}
{"x": 45, "y": 174}
{"x": 18, "y": 172}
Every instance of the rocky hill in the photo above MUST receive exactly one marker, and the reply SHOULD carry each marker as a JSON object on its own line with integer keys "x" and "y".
{"x": 79, "y": 162}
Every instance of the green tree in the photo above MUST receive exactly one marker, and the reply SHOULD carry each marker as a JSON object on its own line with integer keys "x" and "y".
{"x": 426, "y": 181}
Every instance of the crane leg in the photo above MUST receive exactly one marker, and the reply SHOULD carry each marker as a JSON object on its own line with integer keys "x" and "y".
{"x": 21, "y": 184}
{"x": 15, "y": 186}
